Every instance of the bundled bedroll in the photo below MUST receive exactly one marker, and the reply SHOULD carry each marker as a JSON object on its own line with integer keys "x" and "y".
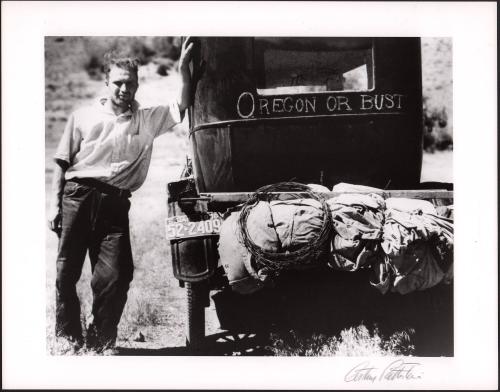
{"x": 275, "y": 227}
{"x": 418, "y": 248}
{"x": 407, "y": 243}
{"x": 358, "y": 221}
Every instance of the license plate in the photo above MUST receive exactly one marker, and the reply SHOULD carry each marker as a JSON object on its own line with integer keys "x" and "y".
{"x": 181, "y": 227}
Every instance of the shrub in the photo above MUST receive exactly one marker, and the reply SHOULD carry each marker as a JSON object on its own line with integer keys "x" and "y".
{"x": 167, "y": 47}
{"x": 144, "y": 48}
{"x": 94, "y": 67}
{"x": 164, "y": 66}
{"x": 142, "y": 312}
{"x": 436, "y": 133}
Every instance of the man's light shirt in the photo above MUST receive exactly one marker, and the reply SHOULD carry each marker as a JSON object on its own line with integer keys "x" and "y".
{"x": 116, "y": 150}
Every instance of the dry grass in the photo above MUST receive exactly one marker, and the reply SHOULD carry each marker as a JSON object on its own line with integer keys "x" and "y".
{"x": 352, "y": 342}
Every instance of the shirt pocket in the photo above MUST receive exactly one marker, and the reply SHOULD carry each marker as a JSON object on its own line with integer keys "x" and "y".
{"x": 128, "y": 142}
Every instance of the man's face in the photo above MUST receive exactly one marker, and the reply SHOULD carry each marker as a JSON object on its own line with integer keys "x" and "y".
{"x": 122, "y": 86}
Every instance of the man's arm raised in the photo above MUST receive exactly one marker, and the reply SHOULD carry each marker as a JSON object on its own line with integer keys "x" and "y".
{"x": 184, "y": 98}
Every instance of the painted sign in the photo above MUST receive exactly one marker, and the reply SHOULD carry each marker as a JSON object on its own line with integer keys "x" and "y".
{"x": 250, "y": 106}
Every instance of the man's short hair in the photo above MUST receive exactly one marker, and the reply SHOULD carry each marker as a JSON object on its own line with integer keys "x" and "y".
{"x": 119, "y": 60}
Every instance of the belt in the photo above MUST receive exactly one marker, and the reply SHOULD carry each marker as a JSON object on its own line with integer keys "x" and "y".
{"x": 103, "y": 187}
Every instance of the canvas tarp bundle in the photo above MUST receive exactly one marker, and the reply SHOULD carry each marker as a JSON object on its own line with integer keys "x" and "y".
{"x": 276, "y": 226}
{"x": 406, "y": 242}
{"x": 236, "y": 259}
{"x": 296, "y": 222}
{"x": 404, "y": 228}
{"x": 358, "y": 221}
{"x": 417, "y": 247}
{"x": 260, "y": 226}
{"x": 416, "y": 269}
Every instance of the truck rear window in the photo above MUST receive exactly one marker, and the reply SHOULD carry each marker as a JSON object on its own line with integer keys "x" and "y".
{"x": 304, "y": 65}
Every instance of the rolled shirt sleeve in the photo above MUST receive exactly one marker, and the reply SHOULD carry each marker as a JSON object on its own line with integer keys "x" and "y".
{"x": 69, "y": 144}
{"x": 163, "y": 118}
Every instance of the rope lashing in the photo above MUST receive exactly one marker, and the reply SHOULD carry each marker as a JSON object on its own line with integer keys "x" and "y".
{"x": 307, "y": 255}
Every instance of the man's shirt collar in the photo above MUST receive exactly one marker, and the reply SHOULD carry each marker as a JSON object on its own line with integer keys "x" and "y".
{"x": 104, "y": 103}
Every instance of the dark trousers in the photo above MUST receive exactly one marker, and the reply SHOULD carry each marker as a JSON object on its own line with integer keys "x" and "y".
{"x": 97, "y": 222}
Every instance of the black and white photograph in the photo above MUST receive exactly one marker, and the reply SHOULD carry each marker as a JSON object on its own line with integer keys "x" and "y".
{"x": 307, "y": 200}
{"x": 284, "y": 196}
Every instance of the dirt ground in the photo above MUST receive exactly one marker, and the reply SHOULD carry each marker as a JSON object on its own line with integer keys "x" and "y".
{"x": 153, "y": 319}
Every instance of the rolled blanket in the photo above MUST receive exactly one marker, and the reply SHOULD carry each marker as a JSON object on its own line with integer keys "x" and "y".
{"x": 346, "y": 187}
{"x": 282, "y": 227}
{"x": 276, "y": 226}
{"x": 318, "y": 188}
{"x": 260, "y": 226}
{"x": 296, "y": 222}
{"x": 358, "y": 221}
{"x": 235, "y": 258}
{"x": 418, "y": 248}
{"x": 404, "y": 228}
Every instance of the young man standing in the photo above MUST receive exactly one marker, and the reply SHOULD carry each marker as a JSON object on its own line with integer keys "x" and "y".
{"x": 103, "y": 156}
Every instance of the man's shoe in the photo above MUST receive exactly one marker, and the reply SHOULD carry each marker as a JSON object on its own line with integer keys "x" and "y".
{"x": 67, "y": 345}
{"x": 97, "y": 343}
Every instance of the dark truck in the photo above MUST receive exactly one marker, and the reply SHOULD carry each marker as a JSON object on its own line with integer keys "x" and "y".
{"x": 274, "y": 109}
